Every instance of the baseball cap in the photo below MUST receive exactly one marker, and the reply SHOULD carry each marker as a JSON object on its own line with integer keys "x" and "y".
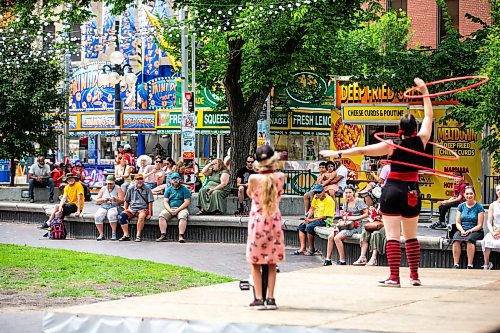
{"x": 110, "y": 179}
{"x": 318, "y": 188}
{"x": 127, "y": 147}
{"x": 263, "y": 153}
{"x": 70, "y": 175}
{"x": 139, "y": 176}
{"x": 175, "y": 175}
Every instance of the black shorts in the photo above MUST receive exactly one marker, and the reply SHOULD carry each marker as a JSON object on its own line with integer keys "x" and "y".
{"x": 400, "y": 198}
{"x": 69, "y": 208}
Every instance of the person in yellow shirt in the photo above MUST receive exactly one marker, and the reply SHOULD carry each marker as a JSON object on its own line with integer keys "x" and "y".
{"x": 320, "y": 215}
{"x": 72, "y": 200}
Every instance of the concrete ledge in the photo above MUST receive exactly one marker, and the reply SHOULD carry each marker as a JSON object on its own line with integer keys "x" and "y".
{"x": 8, "y": 193}
{"x": 435, "y": 251}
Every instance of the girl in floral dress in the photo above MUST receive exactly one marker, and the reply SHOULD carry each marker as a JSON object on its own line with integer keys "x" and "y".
{"x": 266, "y": 244}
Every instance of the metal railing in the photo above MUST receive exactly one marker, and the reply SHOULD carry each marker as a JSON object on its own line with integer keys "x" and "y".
{"x": 297, "y": 182}
{"x": 490, "y": 182}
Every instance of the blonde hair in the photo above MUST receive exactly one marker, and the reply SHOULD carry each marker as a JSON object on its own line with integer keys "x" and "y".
{"x": 269, "y": 190}
{"x": 221, "y": 164}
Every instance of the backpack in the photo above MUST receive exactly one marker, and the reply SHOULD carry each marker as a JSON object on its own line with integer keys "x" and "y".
{"x": 57, "y": 229}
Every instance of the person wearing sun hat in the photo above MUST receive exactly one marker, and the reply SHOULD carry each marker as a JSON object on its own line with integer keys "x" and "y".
{"x": 176, "y": 200}
{"x": 138, "y": 203}
{"x": 265, "y": 189}
{"x": 110, "y": 198}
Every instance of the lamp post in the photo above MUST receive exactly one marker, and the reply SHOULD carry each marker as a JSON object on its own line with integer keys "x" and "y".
{"x": 115, "y": 74}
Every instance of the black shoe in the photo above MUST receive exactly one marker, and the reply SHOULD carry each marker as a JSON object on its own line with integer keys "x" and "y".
{"x": 327, "y": 262}
{"x": 46, "y": 234}
{"x": 341, "y": 263}
{"x": 257, "y": 304}
{"x": 44, "y": 225}
{"x": 51, "y": 200}
{"x": 456, "y": 266}
{"x": 441, "y": 226}
{"x": 470, "y": 267}
{"x": 271, "y": 304}
{"x": 32, "y": 200}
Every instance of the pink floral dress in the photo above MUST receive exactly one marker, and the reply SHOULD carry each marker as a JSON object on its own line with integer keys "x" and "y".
{"x": 266, "y": 242}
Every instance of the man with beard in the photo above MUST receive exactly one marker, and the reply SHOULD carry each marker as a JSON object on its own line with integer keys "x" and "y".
{"x": 176, "y": 200}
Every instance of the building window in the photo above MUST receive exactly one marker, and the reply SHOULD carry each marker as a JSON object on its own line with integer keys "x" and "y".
{"x": 398, "y": 5}
{"x": 76, "y": 40}
{"x": 454, "y": 13}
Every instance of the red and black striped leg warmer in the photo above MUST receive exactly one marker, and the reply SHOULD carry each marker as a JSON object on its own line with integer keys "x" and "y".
{"x": 393, "y": 252}
{"x": 413, "y": 256}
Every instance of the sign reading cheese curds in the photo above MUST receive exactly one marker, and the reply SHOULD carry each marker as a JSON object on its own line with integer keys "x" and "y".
{"x": 373, "y": 113}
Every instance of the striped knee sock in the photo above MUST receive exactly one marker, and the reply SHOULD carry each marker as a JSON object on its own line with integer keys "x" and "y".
{"x": 413, "y": 256}
{"x": 393, "y": 251}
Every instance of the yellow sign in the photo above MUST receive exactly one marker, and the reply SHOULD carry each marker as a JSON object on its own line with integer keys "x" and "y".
{"x": 370, "y": 113}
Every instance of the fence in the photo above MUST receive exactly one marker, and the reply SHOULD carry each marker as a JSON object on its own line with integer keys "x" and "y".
{"x": 297, "y": 182}
{"x": 490, "y": 182}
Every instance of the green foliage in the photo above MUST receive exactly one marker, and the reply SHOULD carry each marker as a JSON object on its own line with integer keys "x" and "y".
{"x": 78, "y": 274}
{"x": 31, "y": 97}
{"x": 479, "y": 109}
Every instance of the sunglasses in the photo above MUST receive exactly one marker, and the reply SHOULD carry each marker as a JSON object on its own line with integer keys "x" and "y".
{"x": 139, "y": 178}
{"x": 157, "y": 161}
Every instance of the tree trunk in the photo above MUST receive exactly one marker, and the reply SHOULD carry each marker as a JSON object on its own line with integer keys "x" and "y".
{"x": 12, "y": 170}
{"x": 243, "y": 115}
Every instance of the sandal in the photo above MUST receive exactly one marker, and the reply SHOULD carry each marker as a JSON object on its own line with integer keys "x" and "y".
{"x": 201, "y": 212}
{"x": 372, "y": 262}
{"x": 138, "y": 239}
{"x": 310, "y": 252}
{"x": 360, "y": 262}
{"x": 297, "y": 253}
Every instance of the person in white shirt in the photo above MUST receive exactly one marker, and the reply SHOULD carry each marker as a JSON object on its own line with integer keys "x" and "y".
{"x": 39, "y": 176}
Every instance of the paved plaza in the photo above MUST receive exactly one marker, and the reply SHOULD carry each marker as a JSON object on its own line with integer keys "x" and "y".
{"x": 331, "y": 299}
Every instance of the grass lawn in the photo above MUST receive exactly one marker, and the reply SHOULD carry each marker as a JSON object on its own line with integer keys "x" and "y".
{"x": 50, "y": 273}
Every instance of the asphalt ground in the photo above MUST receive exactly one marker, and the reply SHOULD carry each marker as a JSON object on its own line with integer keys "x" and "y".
{"x": 218, "y": 258}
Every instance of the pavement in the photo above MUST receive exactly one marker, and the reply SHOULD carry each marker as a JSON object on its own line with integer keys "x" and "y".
{"x": 324, "y": 299}
{"x": 218, "y": 258}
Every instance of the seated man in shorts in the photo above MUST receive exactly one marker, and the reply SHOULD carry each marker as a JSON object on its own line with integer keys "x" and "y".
{"x": 138, "y": 203}
{"x": 308, "y": 196}
{"x": 321, "y": 213}
{"x": 176, "y": 200}
{"x": 72, "y": 200}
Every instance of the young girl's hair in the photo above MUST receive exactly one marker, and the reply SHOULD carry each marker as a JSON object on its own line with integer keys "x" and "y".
{"x": 266, "y": 159}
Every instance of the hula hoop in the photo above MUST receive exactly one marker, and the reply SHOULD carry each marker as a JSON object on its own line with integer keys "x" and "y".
{"x": 406, "y": 94}
{"x": 437, "y": 145}
{"x": 424, "y": 169}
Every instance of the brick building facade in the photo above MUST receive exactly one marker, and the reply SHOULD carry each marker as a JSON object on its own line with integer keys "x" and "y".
{"x": 426, "y": 17}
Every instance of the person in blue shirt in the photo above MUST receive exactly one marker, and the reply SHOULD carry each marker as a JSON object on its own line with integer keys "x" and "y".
{"x": 470, "y": 217}
{"x": 176, "y": 200}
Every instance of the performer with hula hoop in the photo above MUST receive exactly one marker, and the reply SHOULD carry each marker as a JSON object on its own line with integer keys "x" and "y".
{"x": 400, "y": 202}
{"x": 266, "y": 242}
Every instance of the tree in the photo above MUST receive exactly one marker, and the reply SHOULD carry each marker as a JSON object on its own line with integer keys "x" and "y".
{"x": 247, "y": 49}
{"x": 31, "y": 97}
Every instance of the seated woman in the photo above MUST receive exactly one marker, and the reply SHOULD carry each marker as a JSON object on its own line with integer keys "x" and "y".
{"x": 354, "y": 211}
{"x": 492, "y": 239}
{"x": 470, "y": 217}
{"x": 122, "y": 174}
{"x": 168, "y": 169}
{"x": 212, "y": 197}
{"x": 375, "y": 240}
